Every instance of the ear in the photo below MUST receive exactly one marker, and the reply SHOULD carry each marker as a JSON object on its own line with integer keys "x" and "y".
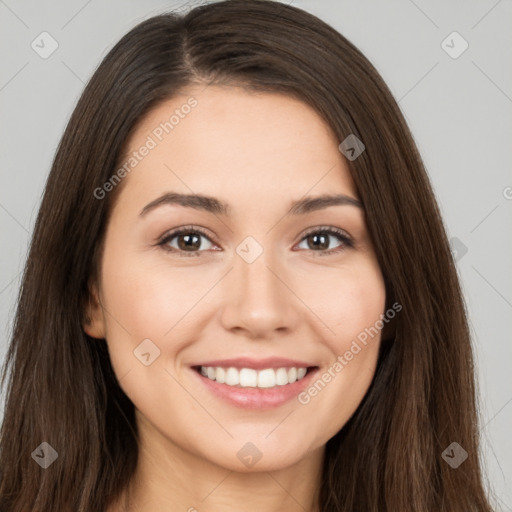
{"x": 94, "y": 321}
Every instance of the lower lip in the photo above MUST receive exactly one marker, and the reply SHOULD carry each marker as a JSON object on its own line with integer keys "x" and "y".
{"x": 257, "y": 398}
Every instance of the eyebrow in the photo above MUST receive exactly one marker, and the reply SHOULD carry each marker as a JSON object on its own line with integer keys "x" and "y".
{"x": 213, "y": 205}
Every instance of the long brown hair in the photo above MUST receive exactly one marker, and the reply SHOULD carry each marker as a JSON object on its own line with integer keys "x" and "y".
{"x": 61, "y": 387}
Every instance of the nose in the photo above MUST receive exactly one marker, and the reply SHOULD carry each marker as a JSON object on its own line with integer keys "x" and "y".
{"x": 258, "y": 298}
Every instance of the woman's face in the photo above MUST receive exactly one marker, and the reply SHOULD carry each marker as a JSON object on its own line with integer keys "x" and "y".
{"x": 262, "y": 286}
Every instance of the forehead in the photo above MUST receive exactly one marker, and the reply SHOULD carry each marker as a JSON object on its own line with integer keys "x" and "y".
{"x": 237, "y": 144}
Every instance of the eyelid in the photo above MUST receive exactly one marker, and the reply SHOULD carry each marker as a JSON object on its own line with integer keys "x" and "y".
{"x": 346, "y": 239}
{"x": 331, "y": 229}
{"x": 168, "y": 235}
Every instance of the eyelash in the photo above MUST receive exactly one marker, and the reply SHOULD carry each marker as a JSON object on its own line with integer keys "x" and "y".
{"x": 341, "y": 235}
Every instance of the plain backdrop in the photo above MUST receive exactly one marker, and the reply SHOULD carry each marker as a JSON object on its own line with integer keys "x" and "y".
{"x": 455, "y": 91}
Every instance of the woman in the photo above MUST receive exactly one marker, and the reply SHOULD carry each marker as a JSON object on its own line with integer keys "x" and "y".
{"x": 239, "y": 292}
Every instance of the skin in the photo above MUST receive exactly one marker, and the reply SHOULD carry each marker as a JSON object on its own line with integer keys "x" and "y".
{"x": 257, "y": 152}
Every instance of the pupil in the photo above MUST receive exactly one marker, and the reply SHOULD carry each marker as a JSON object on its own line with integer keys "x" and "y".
{"x": 321, "y": 245}
{"x": 188, "y": 243}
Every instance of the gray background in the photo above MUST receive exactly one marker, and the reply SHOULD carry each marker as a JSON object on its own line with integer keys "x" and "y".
{"x": 459, "y": 110}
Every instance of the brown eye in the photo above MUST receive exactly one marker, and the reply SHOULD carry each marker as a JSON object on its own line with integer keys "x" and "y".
{"x": 318, "y": 241}
{"x": 186, "y": 240}
{"x": 321, "y": 239}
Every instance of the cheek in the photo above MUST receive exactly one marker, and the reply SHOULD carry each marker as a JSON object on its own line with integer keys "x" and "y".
{"x": 151, "y": 297}
{"x": 148, "y": 300}
{"x": 141, "y": 302}
{"x": 351, "y": 303}
{"x": 346, "y": 301}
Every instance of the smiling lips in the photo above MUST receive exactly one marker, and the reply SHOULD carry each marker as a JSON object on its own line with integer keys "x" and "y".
{"x": 249, "y": 377}
{"x": 246, "y": 372}
{"x": 255, "y": 383}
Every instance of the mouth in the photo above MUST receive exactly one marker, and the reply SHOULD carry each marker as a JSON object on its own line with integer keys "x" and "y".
{"x": 251, "y": 388}
{"x": 252, "y": 378}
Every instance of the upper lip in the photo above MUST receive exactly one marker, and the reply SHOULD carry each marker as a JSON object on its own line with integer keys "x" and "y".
{"x": 256, "y": 364}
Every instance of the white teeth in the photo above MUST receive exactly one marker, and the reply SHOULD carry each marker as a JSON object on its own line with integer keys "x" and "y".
{"x": 267, "y": 378}
{"x": 248, "y": 377}
{"x": 220, "y": 375}
{"x": 232, "y": 377}
{"x": 301, "y": 372}
{"x": 281, "y": 377}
